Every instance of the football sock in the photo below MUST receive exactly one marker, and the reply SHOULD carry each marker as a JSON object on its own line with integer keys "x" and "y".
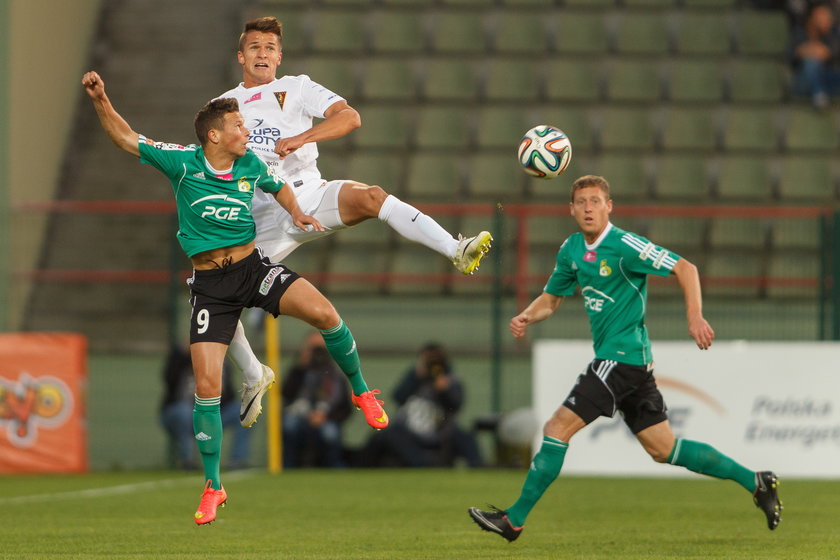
{"x": 544, "y": 469}
{"x": 414, "y": 225}
{"x": 705, "y": 459}
{"x": 342, "y": 348}
{"x": 243, "y": 357}
{"x": 207, "y": 427}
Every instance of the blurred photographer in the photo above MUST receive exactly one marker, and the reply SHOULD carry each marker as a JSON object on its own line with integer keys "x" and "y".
{"x": 316, "y": 400}
{"x": 424, "y": 431}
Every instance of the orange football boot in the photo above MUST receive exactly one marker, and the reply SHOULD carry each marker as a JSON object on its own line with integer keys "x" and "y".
{"x": 210, "y": 500}
{"x": 372, "y": 409}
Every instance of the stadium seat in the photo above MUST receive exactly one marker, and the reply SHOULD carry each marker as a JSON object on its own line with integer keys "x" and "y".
{"x": 634, "y": 80}
{"x": 762, "y": 33}
{"x": 450, "y": 79}
{"x": 338, "y": 30}
{"x": 382, "y": 127}
{"x": 389, "y": 79}
{"x": 626, "y": 129}
{"x": 501, "y": 127}
{"x": 681, "y": 235}
{"x": 332, "y": 160}
{"x": 338, "y": 74}
{"x": 571, "y": 79}
{"x": 807, "y": 178}
{"x": 681, "y": 178}
{"x": 516, "y": 80}
{"x": 797, "y": 233}
{"x": 755, "y": 80}
{"x": 494, "y": 178}
{"x": 458, "y": 32}
{"x": 574, "y": 121}
{"x": 550, "y": 230}
{"x": 650, "y": 3}
{"x": 690, "y": 4}
{"x": 689, "y": 129}
{"x": 590, "y": 3}
{"x": 557, "y": 191}
{"x": 581, "y": 32}
{"x": 738, "y": 232}
{"x": 751, "y": 129}
{"x": 809, "y": 130}
{"x": 442, "y": 126}
{"x": 396, "y": 31}
{"x": 438, "y": 177}
{"x": 703, "y": 33}
{"x": 642, "y": 33}
{"x": 794, "y": 275}
{"x": 521, "y": 32}
{"x": 746, "y": 179}
{"x": 733, "y": 273}
{"x": 371, "y": 233}
{"x": 629, "y": 175}
{"x": 386, "y": 170}
{"x": 412, "y": 264}
{"x": 695, "y": 80}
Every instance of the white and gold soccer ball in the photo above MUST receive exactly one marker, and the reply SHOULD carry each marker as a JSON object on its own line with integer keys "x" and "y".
{"x": 545, "y": 152}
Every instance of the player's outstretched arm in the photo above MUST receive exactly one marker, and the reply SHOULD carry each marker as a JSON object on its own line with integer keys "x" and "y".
{"x": 689, "y": 280}
{"x": 118, "y": 130}
{"x": 288, "y": 201}
{"x": 538, "y": 310}
{"x": 340, "y": 119}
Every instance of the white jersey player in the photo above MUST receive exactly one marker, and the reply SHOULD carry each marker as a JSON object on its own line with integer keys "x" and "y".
{"x": 279, "y": 112}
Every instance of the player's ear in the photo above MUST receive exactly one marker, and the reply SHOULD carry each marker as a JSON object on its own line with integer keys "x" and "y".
{"x": 240, "y": 57}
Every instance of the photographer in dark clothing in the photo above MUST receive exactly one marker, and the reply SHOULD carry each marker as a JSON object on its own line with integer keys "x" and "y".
{"x": 424, "y": 431}
{"x": 316, "y": 402}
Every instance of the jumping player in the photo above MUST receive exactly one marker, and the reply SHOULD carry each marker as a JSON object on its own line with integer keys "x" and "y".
{"x": 213, "y": 186}
{"x": 611, "y": 267}
{"x": 279, "y": 113}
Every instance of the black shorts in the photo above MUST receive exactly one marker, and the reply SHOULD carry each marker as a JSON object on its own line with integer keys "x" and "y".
{"x": 219, "y": 295}
{"x": 608, "y": 386}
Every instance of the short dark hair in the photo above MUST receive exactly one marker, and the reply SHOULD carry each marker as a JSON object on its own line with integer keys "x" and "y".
{"x": 268, "y": 24}
{"x": 590, "y": 181}
{"x": 212, "y": 116}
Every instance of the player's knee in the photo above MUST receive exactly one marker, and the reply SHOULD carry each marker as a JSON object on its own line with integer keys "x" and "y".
{"x": 371, "y": 199}
{"x": 324, "y": 316}
{"x": 659, "y": 455}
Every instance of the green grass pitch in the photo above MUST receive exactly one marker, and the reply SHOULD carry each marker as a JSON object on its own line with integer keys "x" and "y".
{"x": 406, "y": 514}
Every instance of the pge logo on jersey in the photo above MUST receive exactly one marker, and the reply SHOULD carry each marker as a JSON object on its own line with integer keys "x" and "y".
{"x": 30, "y": 404}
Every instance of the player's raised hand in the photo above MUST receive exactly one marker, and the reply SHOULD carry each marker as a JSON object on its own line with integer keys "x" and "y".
{"x": 94, "y": 85}
{"x": 701, "y": 331}
{"x": 286, "y": 146}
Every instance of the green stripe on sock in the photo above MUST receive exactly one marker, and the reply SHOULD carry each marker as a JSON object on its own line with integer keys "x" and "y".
{"x": 342, "y": 348}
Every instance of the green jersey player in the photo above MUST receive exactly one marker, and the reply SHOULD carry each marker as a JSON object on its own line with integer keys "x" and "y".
{"x": 611, "y": 267}
{"x": 213, "y": 186}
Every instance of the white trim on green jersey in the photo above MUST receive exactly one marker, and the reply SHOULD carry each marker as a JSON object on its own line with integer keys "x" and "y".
{"x": 213, "y": 212}
{"x": 612, "y": 274}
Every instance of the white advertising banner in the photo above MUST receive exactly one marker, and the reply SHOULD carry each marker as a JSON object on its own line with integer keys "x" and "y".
{"x": 768, "y": 405}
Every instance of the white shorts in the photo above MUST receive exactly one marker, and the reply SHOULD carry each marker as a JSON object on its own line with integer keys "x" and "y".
{"x": 278, "y": 236}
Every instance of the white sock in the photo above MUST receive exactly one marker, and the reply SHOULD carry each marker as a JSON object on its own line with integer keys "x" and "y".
{"x": 243, "y": 357}
{"x": 414, "y": 225}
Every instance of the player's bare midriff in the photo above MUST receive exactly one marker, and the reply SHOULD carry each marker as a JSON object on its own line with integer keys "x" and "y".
{"x": 222, "y": 257}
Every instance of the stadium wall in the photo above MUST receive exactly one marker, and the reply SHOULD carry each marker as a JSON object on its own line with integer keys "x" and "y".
{"x": 48, "y": 46}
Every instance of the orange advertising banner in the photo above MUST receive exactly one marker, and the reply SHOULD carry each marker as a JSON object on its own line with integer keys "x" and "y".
{"x": 42, "y": 406}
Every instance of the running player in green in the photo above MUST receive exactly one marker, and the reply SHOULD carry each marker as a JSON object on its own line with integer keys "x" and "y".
{"x": 611, "y": 267}
{"x": 213, "y": 186}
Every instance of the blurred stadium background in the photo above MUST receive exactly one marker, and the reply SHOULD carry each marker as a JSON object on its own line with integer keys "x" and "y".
{"x": 684, "y": 105}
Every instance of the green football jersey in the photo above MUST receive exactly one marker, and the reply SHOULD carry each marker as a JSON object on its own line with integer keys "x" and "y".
{"x": 612, "y": 275}
{"x": 213, "y": 211}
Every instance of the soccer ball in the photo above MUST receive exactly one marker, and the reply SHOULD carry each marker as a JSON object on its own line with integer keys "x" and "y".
{"x": 544, "y": 152}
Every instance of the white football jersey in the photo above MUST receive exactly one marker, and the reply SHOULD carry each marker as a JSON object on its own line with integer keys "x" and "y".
{"x": 282, "y": 108}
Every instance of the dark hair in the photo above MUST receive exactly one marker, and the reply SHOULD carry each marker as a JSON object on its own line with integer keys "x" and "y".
{"x": 436, "y": 357}
{"x": 212, "y": 116}
{"x": 590, "y": 181}
{"x": 267, "y": 24}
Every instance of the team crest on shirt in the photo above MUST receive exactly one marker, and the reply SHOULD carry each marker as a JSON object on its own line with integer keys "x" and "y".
{"x": 281, "y": 98}
{"x": 244, "y": 185}
{"x": 604, "y": 270}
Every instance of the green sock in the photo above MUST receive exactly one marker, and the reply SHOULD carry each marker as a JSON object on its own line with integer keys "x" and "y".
{"x": 705, "y": 459}
{"x": 544, "y": 469}
{"x": 342, "y": 348}
{"x": 207, "y": 427}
